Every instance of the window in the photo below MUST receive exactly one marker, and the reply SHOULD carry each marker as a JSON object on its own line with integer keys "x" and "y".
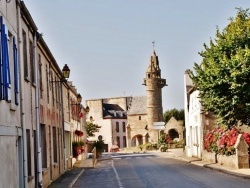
{"x": 118, "y": 141}
{"x": 47, "y": 81}
{"x": 25, "y": 59}
{"x": 117, "y": 127}
{"x": 28, "y": 151}
{"x": 43, "y": 146}
{"x": 139, "y": 117}
{"x": 67, "y": 144}
{"x": 16, "y": 87}
{"x": 124, "y": 142}
{"x": 123, "y": 127}
{"x": 54, "y": 145}
{"x": 53, "y": 94}
{"x": 40, "y": 76}
{"x": 32, "y": 65}
{"x": 5, "y": 77}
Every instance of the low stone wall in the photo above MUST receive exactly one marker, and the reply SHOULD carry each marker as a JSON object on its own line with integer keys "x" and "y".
{"x": 239, "y": 160}
{"x": 230, "y": 161}
{"x": 208, "y": 156}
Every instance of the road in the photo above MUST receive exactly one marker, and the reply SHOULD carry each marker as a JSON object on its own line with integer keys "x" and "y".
{"x": 150, "y": 171}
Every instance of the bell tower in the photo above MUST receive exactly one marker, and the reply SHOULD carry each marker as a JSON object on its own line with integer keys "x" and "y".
{"x": 154, "y": 84}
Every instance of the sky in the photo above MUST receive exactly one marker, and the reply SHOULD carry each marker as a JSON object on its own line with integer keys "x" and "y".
{"x": 107, "y": 44}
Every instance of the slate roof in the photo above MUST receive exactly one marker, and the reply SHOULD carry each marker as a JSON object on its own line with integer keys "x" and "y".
{"x": 109, "y": 109}
{"x": 138, "y": 105}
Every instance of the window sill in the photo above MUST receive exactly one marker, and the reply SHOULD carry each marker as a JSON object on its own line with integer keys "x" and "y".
{"x": 30, "y": 178}
{"x": 27, "y": 79}
{"x": 13, "y": 107}
{"x": 45, "y": 170}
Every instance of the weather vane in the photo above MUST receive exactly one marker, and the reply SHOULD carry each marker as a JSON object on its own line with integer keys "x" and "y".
{"x": 153, "y": 45}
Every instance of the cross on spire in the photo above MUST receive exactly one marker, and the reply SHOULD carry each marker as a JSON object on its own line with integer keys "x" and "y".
{"x": 153, "y": 45}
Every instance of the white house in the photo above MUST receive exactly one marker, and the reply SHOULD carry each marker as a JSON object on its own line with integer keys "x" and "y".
{"x": 193, "y": 119}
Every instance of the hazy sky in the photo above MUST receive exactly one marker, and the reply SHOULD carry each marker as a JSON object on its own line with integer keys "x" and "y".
{"x": 108, "y": 43}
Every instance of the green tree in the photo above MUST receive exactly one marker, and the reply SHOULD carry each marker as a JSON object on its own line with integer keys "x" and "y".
{"x": 92, "y": 128}
{"x": 177, "y": 114}
{"x": 223, "y": 77}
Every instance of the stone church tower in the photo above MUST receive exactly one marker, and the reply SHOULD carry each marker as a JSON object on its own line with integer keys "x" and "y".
{"x": 154, "y": 84}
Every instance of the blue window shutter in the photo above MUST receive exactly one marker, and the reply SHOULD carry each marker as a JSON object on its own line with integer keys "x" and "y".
{"x": 5, "y": 65}
{"x": 16, "y": 89}
{"x": 1, "y": 60}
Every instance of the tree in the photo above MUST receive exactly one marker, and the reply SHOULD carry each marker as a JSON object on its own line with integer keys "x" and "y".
{"x": 223, "y": 78}
{"x": 177, "y": 114}
{"x": 91, "y": 129}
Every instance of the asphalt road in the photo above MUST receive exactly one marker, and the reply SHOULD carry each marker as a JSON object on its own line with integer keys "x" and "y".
{"x": 149, "y": 171}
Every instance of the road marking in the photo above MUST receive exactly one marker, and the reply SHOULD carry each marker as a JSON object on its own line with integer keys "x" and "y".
{"x": 117, "y": 176}
{"x": 76, "y": 178}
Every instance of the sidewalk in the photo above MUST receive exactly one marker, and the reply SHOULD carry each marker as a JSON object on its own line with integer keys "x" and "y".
{"x": 69, "y": 178}
{"x": 179, "y": 154}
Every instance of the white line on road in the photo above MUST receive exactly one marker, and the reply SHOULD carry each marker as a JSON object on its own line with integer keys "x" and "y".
{"x": 117, "y": 176}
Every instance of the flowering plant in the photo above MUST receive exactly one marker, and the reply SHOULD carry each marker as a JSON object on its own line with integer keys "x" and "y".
{"x": 78, "y": 133}
{"x": 211, "y": 138}
{"x": 222, "y": 141}
{"x": 227, "y": 141}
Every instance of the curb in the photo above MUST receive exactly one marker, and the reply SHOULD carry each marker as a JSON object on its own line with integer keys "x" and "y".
{"x": 228, "y": 172}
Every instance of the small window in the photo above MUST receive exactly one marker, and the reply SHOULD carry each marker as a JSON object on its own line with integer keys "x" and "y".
{"x": 118, "y": 141}
{"x": 124, "y": 142}
{"x": 117, "y": 127}
{"x": 139, "y": 117}
{"x": 123, "y": 127}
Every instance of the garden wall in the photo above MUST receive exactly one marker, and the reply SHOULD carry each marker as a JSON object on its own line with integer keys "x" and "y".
{"x": 239, "y": 160}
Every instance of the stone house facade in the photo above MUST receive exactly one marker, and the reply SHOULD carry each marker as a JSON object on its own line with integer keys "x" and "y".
{"x": 35, "y": 110}
{"x": 137, "y": 128}
{"x": 111, "y": 115}
{"x": 174, "y": 129}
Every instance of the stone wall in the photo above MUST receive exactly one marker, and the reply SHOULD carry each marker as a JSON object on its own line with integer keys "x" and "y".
{"x": 239, "y": 160}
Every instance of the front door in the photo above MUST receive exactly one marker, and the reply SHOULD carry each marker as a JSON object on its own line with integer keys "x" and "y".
{"x": 195, "y": 145}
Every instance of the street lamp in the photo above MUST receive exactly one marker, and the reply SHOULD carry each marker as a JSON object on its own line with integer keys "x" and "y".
{"x": 87, "y": 109}
{"x": 65, "y": 73}
{"x": 79, "y": 99}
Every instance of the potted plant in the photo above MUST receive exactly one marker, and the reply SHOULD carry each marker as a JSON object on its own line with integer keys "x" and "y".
{"x": 76, "y": 149}
{"x": 82, "y": 144}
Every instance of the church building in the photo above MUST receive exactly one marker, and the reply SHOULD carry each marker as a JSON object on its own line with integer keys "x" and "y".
{"x": 144, "y": 111}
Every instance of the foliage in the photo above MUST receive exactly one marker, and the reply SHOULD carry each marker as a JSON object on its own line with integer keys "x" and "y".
{"x": 77, "y": 148}
{"x": 91, "y": 129}
{"x": 177, "y": 114}
{"x": 222, "y": 141}
{"x": 99, "y": 144}
{"x": 162, "y": 138}
{"x": 223, "y": 77}
{"x": 211, "y": 138}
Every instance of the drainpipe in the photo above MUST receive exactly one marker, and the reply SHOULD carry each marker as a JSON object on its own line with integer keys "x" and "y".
{"x": 37, "y": 106}
{"x": 63, "y": 129}
{"x": 22, "y": 111}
